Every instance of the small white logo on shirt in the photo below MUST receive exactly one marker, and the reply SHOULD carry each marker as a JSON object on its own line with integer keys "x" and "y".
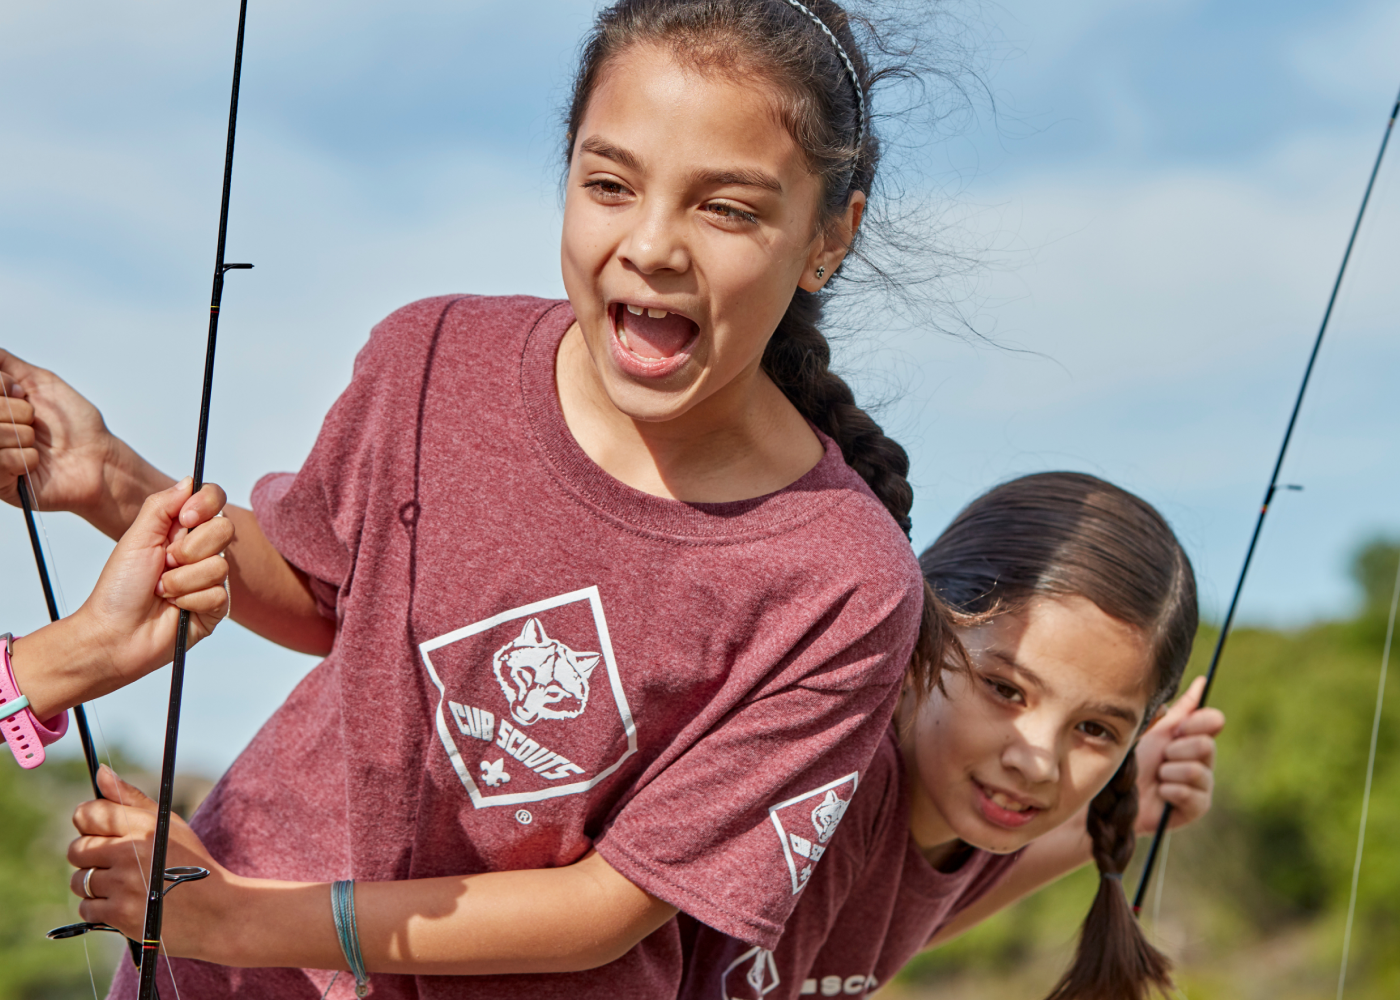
{"x": 806, "y": 822}
{"x": 494, "y": 773}
{"x": 751, "y": 976}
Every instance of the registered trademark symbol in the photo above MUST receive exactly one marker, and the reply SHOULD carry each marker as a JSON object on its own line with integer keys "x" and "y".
{"x": 523, "y": 816}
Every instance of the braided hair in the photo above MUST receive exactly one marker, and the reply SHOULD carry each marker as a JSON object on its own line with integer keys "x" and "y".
{"x": 1061, "y": 534}
{"x": 809, "y": 54}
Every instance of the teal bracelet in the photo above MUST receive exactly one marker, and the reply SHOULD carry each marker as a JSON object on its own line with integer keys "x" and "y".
{"x": 343, "y": 912}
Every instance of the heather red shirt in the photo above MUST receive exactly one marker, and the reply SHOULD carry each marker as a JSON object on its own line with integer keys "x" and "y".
{"x": 533, "y": 658}
{"x": 871, "y": 905}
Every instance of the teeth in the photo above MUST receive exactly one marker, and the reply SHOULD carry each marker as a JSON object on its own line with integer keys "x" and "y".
{"x": 1006, "y": 803}
{"x": 634, "y": 310}
{"x": 657, "y": 313}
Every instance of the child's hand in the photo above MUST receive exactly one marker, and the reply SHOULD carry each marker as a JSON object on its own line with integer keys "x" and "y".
{"x": 169, "y": 560}
{"x": 1175, "y": 761}
{"x": 115, "y": 840}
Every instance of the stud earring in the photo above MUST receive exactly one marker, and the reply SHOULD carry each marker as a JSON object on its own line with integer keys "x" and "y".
{"x": 821, "y": 271}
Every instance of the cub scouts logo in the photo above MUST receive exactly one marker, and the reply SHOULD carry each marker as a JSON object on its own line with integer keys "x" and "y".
{"x": 805, "y": 825}
{"x": 751, "y": 976}
{"x": 542, "y": 678}
{"x": 528, "y": 710}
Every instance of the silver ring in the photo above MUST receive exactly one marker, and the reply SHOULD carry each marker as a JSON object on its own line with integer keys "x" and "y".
{"x": 87, "y": 889}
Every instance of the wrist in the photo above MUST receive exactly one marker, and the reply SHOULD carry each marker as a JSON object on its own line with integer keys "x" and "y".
{"x": 265, "y": 923}
{"x": 57, "y": 667}
{"x": 127, "y": 480}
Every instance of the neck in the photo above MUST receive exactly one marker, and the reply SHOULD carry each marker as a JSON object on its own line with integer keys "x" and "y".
{"x": 930, "y": 830}
{"x": 742, "y": 441}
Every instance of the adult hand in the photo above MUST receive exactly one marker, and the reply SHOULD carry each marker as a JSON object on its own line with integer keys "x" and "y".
{"x": 1176, "y": 757}
{"x": 74, "y": 463}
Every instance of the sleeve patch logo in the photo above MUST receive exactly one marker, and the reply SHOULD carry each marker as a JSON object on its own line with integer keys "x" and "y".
{"x": 751, "y": 976}
{"x": 527, "y": 710}
{"x": 805, "y": 825}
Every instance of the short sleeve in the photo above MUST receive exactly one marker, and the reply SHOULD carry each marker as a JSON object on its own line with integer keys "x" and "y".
{"x": 315, "y": 517}
{"x": 731, "y": 831}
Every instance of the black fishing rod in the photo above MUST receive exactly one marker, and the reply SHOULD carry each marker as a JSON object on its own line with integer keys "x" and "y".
{"x": 79, "y": 716}
{"x": 1161, "y": 831}
{"x": 155, "y": 896}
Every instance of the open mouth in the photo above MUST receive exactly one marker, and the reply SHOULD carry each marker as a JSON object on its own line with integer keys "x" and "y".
{"x": 1004, "y": 810}
{"x": 650, "y": 342}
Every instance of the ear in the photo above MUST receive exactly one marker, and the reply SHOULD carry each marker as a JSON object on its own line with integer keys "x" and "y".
{"x": 586, "y": 662}
{"x": 533, "y": 633}
{"x": 829, "y": 249}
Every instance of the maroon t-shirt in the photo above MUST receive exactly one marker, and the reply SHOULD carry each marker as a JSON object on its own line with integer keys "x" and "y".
{"x": 532, "y": 659}
{"x": 872, "y": 904}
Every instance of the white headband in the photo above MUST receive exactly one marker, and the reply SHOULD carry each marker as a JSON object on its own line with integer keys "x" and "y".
{"x": 850, "y": 68}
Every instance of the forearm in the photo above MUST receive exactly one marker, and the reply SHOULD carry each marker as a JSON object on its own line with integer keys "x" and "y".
{"x": 1045, "y": 860}
{"x": 548, "y": 920}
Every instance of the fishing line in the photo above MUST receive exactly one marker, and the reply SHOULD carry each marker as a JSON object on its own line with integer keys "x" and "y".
{"x": 1366, "y": 795}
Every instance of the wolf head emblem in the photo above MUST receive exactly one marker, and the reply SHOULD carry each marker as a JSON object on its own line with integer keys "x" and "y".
{"x": 542, "y": 678}
{"x": 827, "y": 814}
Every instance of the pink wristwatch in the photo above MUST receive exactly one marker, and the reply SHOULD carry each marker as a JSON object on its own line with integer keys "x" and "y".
{"x": 26, "y": 735}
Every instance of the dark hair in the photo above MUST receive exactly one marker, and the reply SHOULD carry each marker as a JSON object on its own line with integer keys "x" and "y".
{"x": 821, "y": 107}
{"x": 1061, "y": 534}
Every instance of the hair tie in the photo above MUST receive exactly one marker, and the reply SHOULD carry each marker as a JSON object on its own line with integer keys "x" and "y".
{"x": 1116, "y": 876}
{"x": 850, "y": 68}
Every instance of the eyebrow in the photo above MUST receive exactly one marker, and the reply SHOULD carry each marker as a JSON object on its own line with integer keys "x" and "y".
{"x": 741, "y": 176}
{"x": 1098, "y": 708}
{"x": 611, "y": 151}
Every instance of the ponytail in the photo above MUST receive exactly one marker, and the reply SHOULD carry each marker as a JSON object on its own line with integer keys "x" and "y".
{"x": 1114, "y": 960}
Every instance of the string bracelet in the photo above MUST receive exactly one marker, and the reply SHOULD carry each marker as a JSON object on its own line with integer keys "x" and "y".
{"x": 25, "y": 735}
{"x": 343, "y": 912}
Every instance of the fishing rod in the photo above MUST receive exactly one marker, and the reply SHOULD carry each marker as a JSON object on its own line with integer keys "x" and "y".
{"x": 79, "y": 714}
{"x": 156, "y": 890}
{"x": 1273, "y": 488}
{"x": 146, "y": 952}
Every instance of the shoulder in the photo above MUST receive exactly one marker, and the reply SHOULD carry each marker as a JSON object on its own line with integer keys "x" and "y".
{"x": 412, "y": 329}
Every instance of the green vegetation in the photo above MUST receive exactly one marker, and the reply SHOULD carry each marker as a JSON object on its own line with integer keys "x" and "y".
{"x": 1255, "y": 896}
{"x": 34, "y": 810}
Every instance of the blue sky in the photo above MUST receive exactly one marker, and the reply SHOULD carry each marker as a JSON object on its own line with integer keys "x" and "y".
{"x": 1158, "y": 205}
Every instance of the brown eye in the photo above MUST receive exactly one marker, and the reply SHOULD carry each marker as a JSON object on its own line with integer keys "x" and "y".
{"x": 1003, "y": 690}
{"x": 1096, "y": 730}
{"x": 730, "y": 212}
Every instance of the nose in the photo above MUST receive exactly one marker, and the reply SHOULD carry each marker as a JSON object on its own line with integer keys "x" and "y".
{"x": 656, "y": 241}
{"x": 1034, "y": 751}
